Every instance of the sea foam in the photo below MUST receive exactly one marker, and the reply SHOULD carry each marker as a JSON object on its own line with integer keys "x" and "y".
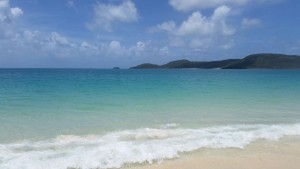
{"x": 146, "y": 145}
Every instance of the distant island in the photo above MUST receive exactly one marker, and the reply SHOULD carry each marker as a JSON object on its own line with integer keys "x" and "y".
{"x": 254, "y": 61}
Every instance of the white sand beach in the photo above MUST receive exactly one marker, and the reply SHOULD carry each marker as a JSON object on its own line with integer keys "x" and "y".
{"x": 284, "y": 154}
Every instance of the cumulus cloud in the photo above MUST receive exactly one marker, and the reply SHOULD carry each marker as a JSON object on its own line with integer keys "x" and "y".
{"x": 187, "y": 5}
{"x": 115, "y": 48}
{"x": 55, "y": 45}
{"x": 87, "y": 46}
{"x": 199, "y": 25}
{"x": 4, "y": 4}
{"x": 21, "y": 43}
{"x": 199, "y": 31}
{"x": 8, "y": 14}
{"x": 167, "y": 26}
{"x": 4, "y": 10}
{"x": 16, "y": 12}
{"x": 247, "y": 23}
{"x": 31, "y": 36}
{"x": 105, "y": 15}
{"x": 40, "y": 43}
{"x": 8, "y": 19}
{"x": 141, "y": 48}
{"x": 57, "y": 41}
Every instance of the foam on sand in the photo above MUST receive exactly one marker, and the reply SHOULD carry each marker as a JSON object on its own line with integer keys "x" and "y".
{"x": 117, "y": 149}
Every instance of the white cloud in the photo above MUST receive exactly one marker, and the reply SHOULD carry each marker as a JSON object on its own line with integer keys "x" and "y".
{"x": 196, "y": 24}
{"x": 31, "y": 36}
{"x": 115, "y": 45}
{"x": 8, "y": 14}
{"x": 187, "y": 5}
{"x": 60, "y": 45}
{"x": 105, "y": 15}
{"x": 199, "y": 25}
{"x": 221, "y": 13}
{"x": 200, "y": 32}
{"x": 116, "y": 49}
{"x": 86, "y": 46}
{"x": 41, "y": 44}
{"x": 8, "y": 20}
{"x": 167, "y": 26}
{"x": 140, "y": 48}
{"x": 58, "y": 39}
{"x": 247, "y": 23}
{"x": 16, "y": 12}
{"x": 4, "y": 4}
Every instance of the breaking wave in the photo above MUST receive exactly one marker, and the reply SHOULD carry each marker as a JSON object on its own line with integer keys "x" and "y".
{"x": 117, "y": 149}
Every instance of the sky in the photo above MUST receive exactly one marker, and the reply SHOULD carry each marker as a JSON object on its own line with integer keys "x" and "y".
{"x": 124, "y": 33}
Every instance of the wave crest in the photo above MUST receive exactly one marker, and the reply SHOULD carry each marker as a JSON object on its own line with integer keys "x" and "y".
{"x": 116, "y": 149}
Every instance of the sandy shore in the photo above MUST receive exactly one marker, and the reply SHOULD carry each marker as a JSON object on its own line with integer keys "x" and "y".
{"x": 283, "y": 154}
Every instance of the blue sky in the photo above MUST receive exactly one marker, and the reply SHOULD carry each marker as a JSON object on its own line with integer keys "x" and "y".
{"x": 108, "y": 33}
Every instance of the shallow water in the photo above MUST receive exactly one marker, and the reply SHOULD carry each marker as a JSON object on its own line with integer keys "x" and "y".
{"x": 107, "y": 118}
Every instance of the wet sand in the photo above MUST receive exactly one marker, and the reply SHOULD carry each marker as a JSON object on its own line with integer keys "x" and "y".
{"x": 282, "y": 154}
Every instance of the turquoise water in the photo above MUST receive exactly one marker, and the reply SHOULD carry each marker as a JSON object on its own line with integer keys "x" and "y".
{"x": 94, "y": 107}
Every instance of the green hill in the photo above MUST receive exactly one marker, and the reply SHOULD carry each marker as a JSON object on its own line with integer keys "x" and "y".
{"x": 267, "y": 61}
{"x": 146, "y": 66}
{"x": 255, "y": 61}
{"x": 200, "y": 65}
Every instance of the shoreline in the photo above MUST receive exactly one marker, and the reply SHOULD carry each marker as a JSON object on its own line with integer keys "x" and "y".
{"x": 239, "y": 147}
{"x": 262, "y": 154}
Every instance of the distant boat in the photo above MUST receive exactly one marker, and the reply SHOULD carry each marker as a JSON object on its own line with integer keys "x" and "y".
{"x": 116, "y": 68}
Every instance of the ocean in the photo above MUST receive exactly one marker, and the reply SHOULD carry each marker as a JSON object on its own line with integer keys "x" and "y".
{"x": 100, "y": 118}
